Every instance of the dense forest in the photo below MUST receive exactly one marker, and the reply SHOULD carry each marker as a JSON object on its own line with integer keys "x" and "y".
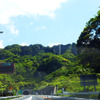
{"x": 37, "y": 66}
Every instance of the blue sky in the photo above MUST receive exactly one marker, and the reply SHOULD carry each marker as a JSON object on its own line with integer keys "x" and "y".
{"x": 46, "y": 22}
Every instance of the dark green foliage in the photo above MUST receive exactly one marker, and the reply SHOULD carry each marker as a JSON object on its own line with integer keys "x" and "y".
{"x": 5, "y": 54}
{"x": 68, "y": 55}
{"x": 16, "y": 49}
{"x": 49, "y": 49}
{"x": 89, "y": 44}
{"x": 51, "y": 62}
{"x": 31, "y": 50}
{"x": 90, "y": 36}
{"x": 37, "y": 66}
{"x": 33, "y": 63}
{"x": 90, "y": 58}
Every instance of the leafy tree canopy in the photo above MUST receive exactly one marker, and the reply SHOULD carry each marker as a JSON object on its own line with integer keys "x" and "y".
{"x": 90, "y": 36}
{"x": 51, "y": 62}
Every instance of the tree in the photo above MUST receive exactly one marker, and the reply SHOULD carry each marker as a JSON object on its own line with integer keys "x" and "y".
{"x": 90, "y": 59}
{"x": 90, "y": 36}
{"x": 51, "y": 62}
{"x": 5, "y": 54}
{"x": 16, "y": 49}
{"x": 68, "y": 55}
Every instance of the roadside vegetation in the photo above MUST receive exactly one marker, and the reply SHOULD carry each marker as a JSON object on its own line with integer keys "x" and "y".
{"x": 37, "y": 66}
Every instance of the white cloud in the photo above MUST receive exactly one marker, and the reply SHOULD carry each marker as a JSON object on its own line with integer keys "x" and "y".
{"x": 31, "y": 23}
{"x": 51, "y": 45}
{"x": 41, "y": 28}
{"x": 24, "y": 44}
{"x": 1, "y": 44}
{"x": 11, "y": 8}
{"x": 14, "y": 8}
{"x": 10, "y": 40}
{"x": 12, "y": 28}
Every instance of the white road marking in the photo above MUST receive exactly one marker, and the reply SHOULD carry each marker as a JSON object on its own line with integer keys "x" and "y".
{"x": 30, "y": 98}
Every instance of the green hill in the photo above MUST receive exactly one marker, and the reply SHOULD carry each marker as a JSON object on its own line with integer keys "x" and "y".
{"x": 37, "y": 66}
{"x": 37, "y": 69}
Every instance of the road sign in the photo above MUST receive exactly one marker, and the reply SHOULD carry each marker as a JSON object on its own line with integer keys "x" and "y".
{"x": 88, "y": 80}
{"x": 89, "y": 83}
{"x": 7, "y": 68}
{"x": 88, "y": 77}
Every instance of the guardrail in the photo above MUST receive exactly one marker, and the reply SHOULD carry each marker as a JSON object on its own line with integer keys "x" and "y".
{"x": 52, "y": 97}
{"x": 68, "y": 93}
{"x": 88, "y": 95}
{"x": 8, "y": 97}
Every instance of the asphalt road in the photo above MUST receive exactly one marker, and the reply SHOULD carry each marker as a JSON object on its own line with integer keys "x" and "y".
{"x": 33, "y": 97}
{"x": 30, "y": 97}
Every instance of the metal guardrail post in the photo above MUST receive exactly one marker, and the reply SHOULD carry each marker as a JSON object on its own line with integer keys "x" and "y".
{"x": 61, "y": 97}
